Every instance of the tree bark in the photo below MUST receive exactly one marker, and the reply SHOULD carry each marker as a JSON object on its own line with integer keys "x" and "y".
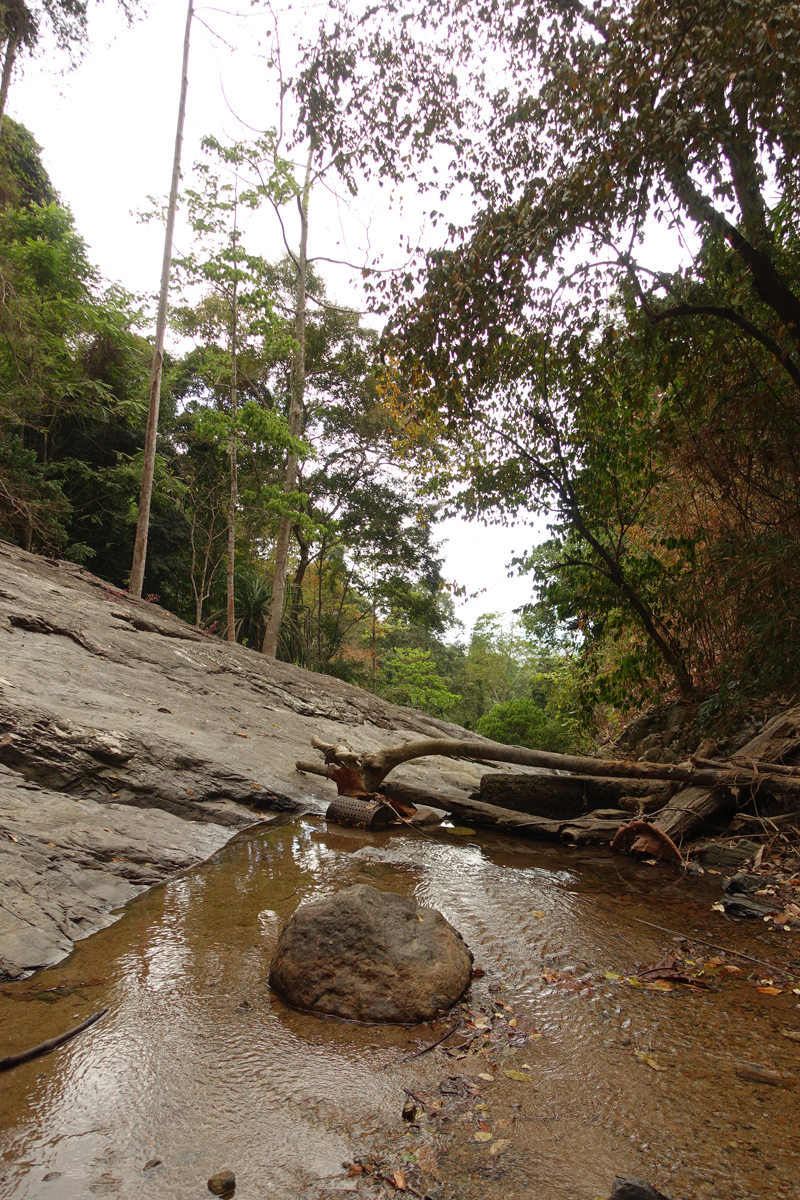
{"x": 273, "y": 628}
{"x": 234, "y": 494}
{"x": 8, "y": 67}
{"x": 374, "y": 767}
{"x": 148, "y": 472}
{"x": 491, "y": 816}
{"x": 780, "y": 738}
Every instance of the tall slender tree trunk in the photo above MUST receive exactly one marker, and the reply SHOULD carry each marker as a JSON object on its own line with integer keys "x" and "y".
{"x": 146, "y": 492}
{"x": 374, "y": 633}
{"x": 8, "y": 67}
{"x": 272, "y": 632}
{"x": 319, "y": 600}
{"x": 234, "y": 496}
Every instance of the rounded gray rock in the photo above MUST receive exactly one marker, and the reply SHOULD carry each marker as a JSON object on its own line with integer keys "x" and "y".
{"x": 366, "y": 955}
{"x": 222, "y": 1184}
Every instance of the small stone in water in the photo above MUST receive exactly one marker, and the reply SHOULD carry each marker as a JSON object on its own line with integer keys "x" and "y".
{"x": 626, "y": 1187}
{"x": 52, "y": 1175}
{"x": 152, "y": 1164}
{"x": 222, "y": 1184}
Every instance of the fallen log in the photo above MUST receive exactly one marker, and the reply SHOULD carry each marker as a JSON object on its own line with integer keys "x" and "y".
{"x": 577, "y": 831}
{"x": 374, "y": 766}
{"x": 779, "y": 738}
{"x": 709, "y": 787}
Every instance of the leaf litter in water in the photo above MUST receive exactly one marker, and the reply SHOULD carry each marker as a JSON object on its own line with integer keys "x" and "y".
{"x": 520, "y": 1076}
{"x": 648, "y": 1060}
{"x": 482, "y": 1135}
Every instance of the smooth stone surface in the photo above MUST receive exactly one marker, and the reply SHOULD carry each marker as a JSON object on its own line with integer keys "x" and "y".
{"x": 133, "y": 745}
{"x": 373, "y": 956}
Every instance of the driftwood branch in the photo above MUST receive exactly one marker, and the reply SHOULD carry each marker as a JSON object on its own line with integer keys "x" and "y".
{"x": 705, "y": 784}
{"x": 14, "y": 1060}
{"x": 374, "y": 766}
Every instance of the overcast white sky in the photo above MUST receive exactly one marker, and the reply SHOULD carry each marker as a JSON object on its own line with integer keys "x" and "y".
{"x": 107, "y": 130}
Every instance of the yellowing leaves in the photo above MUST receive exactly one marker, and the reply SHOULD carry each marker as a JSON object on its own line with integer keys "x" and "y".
{"x": 482, "y": 1135}
{"x": 519, "y": 1076}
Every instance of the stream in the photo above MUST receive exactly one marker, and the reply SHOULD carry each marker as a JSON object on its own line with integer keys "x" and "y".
{"x": 199, "y": 1066}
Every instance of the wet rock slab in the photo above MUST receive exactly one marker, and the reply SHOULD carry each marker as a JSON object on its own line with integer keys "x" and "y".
{"x": 373, "y": 956}
{"x": 132, "y": 746}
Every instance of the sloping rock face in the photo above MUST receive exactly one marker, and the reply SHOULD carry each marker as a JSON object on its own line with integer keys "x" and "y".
{"x": 65, "y": 865}
{"x": 366, "y": 955}
{"x": 114, "y": 709}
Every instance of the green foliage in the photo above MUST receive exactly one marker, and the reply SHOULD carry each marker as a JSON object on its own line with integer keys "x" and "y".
{"x": 651, "y": 414}
{"x": 411, "y": 679}
{"x": 23, "y": 179}
{"x": 73, "y": 375}
{"x": 522, "y": 722}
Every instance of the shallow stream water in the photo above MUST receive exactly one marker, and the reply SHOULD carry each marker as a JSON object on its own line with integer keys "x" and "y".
{"x": 198, "y": 1065}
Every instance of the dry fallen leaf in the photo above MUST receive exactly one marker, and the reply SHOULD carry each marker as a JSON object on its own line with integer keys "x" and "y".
{"x": 427, "y": 1162}
{"x": 520, "y": 1076}
{"x": 648, "y": 1060}
{"x": 400, "y": 1179}
{"x": 499, "y": 1146}
{"x": 770, "y": 991}
{"x": 485, "y": 1075}
{"x": 483, "y": 1135}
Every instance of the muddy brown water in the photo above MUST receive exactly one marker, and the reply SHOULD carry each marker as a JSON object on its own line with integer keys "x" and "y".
{"x": 198, "y": 1066}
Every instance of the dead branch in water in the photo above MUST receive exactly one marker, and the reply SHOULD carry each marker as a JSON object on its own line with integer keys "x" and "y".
{"x": 14, "y": 1060}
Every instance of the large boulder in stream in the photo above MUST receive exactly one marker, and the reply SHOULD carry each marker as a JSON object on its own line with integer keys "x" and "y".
{"x": 370, "y": 956}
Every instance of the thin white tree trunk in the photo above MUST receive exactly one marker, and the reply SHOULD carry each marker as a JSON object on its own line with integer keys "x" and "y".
{"x": 146, "y": 492}
{"x": 273, "y": 628}
{"x": 234, "y": 482}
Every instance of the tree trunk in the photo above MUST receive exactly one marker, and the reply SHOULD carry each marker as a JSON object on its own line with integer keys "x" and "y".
{"x": 146, "y": 491}
{"x": 273, "y": 629}
{"x": 297, "y": 595}
{"x": 8, "y": 67}
{"x": 780, "y": 738}
{"x": 577, "y": 831}
{"x": 234, "y": 496}
{"x": 376, "y": 765}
